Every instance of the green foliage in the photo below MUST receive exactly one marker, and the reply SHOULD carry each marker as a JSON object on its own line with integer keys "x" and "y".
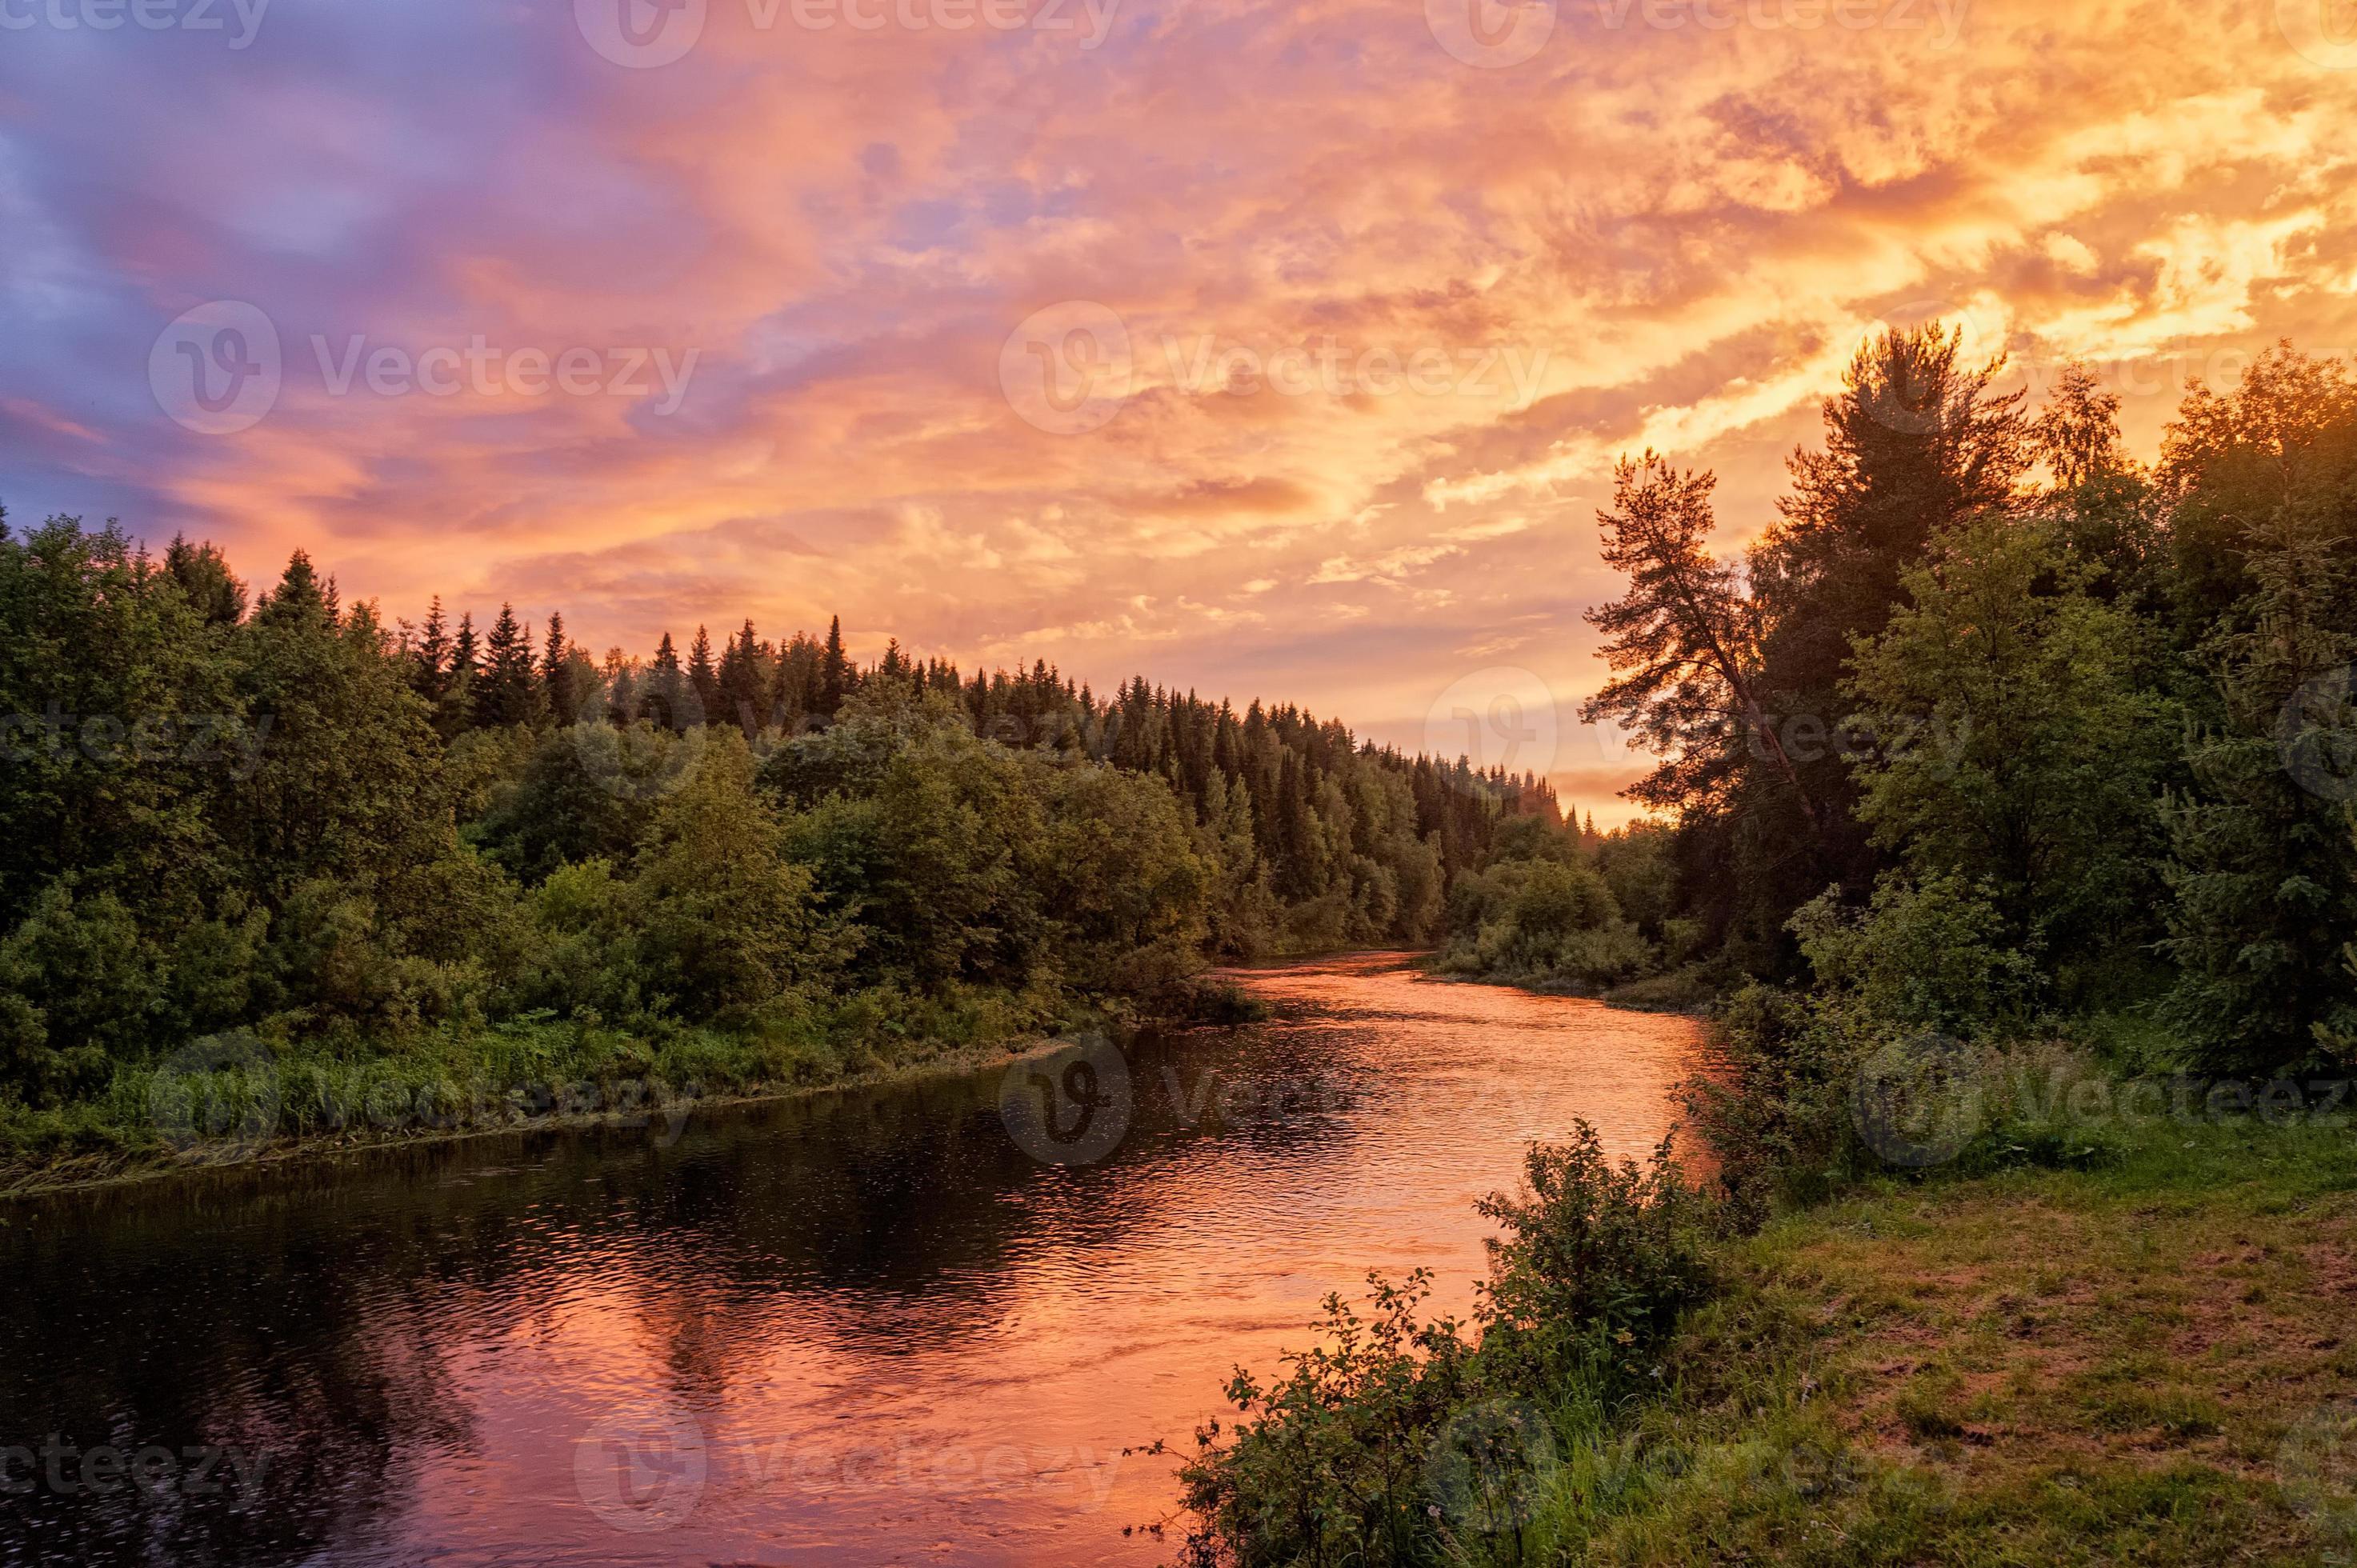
{"x": 2114, "y": 704}
{"x": 2263, "y": 874}
{"x": 1595, "y": 1263}
{"x": 286, "y": 820}
{"x": 1921, "y": 973}
{"x": 81, "y": 988}
{"x": 1121, "y": 878}
{"x": 119, "y": 700}
{"x": 1542, "y": 913}
{"x": 726, "y": 923}
{"x": 1405, "y": 1440}
{"x": 1542, "y": 922}
{"x": 1639, "y": 865}
{"x": 1929, "y": 954}
{"x": 1327, "y": 1465}
{"x": 2015, "y": 744}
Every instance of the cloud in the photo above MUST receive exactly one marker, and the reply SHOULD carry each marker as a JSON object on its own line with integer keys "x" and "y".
{"x": 1383, "y": 319}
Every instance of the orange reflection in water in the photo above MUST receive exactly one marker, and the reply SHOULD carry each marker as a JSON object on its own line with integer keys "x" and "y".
{"x": 863, "y": 1327}
{"x": 983, "y": 1417}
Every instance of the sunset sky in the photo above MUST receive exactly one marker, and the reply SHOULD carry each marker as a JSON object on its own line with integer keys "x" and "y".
{"x": 1268, "y": 349}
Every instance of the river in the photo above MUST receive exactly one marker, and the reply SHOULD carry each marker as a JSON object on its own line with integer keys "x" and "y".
{"x": 885, "y": 1326}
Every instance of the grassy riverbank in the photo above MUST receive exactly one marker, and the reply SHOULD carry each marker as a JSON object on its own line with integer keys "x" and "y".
{"x": 2133, "y": 1364}
{"x": 240, "y": 1098}
{"x": 2112, "y": 1320}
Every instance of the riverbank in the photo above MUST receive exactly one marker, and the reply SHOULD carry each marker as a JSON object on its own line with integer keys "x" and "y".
{"x": 237, "y": 1100}
{"x": 1960, "y": 1306}
{"x": 2143, "y": 1363}
{"x": 130, "y": 1154}
{"x": 1688, "y": 992}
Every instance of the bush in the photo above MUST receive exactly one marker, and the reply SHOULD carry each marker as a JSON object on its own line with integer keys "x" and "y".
{"x": 1543, "y": 923}
{"x": 1925, "y": 954}
{"x": 1401, "y": 1441}
{"x": 78, "y": 987}
{"x": 1598, "y": 1259}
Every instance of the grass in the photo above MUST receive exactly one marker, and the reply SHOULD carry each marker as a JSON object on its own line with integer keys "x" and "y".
{"x": 238, "y": 1098}
{"x": 2135, "y": 1364}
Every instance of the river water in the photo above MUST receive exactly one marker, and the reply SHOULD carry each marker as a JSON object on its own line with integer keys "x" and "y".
{"x": 916, "y": 1323}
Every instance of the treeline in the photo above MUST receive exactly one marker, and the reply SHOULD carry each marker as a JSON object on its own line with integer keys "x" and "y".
{"x": 275, "y": 816}
{"x": 1992, "y": 718}
{"x": 1327, "y": 841}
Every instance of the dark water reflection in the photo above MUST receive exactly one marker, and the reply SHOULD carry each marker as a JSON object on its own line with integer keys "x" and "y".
{"x": 865, "y": 1327}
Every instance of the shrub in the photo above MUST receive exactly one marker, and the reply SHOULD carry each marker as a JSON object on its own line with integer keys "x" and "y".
{"x": 1401, "y": 1441}
{"x": 1597, "y": 1260}
{"x": 1543, "y": 922}
{"x": 1925, "y": 954}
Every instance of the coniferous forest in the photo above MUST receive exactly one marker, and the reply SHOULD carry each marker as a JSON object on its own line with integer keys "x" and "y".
{"x": 441, "y": 862}
{"x": 1992, "y": 721}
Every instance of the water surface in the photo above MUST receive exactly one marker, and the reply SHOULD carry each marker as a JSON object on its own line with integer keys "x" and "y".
{"x": 865, "y": 1328}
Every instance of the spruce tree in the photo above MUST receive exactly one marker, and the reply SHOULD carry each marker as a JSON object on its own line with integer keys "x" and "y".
{"x": 508, "y": 691}
{"x": 739, "y": 680}
{"x": 557, "y": 674}
{"x": 834, "y": 671}
{"x": 702, "y": 678}
{"x": 431, "y": 675}
{"x": 668, "y": 701}
{"x": 466, "y": 655}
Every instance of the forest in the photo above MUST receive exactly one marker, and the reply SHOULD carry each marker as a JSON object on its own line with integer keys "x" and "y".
{"x": 2006, "y": 784}
{"x": 395, "y": 874}
{"x": 1992, "y": 724}
{"x": 1992, "y": 721}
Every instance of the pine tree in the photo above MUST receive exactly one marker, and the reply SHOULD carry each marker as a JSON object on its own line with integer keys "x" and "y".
{"x": 834, "y": 671}
{"x": 466, "y": 656}
{"x": 509, "y": 689}
{"x": 669, "y": 703}
{"x": 1682, "y": 643}
{"x": 557, "y": 673}
{"x": 431, "y": 672}
{"x": 702, "y": 678}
